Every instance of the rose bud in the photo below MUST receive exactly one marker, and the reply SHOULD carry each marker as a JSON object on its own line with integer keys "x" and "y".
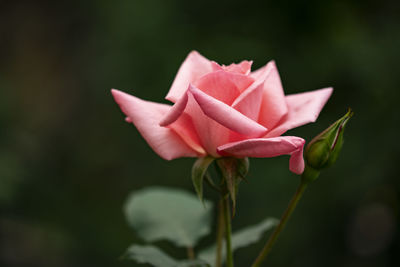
{"x": 323, "y": 151}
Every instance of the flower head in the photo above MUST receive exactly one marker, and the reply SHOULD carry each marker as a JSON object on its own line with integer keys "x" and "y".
{"x": 225, "y": 111}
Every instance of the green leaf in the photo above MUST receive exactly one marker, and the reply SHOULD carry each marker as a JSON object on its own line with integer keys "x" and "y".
{"x": 156, "y": 257}
{"x": 161, "y": 213}
{"x": 252, "y": 234}
{"x": 199, "y": 170}
{"x": 151, "y": 255}
{"x": 241, "y": 238}
{"x": 193, "y": 263}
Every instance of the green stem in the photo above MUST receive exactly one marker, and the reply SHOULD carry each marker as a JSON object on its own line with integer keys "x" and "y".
{"x": 228, "y": 241}
{"x": 220, "y": 234}
{"x": 285, "y": 217}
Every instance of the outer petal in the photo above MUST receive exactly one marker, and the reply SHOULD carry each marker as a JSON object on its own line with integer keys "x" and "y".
{"x": 296, "y": 162}
{"x": 194, "y": 66}
{"x": 226, "y": 115}
{"x": 273, "y": 106}
{"x": 145, "y": 116}
{"x": 268, "y": 147}
{"x": 303, "y": 108}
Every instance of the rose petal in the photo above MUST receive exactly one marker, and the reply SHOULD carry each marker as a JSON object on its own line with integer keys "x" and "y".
{"x": 273, "y": 106}
{"x": 267, "y": 148}
{"x": 184, "y": 127}
{"x": 211, "y": 133}
{"x": 222, "y": 85}
{"x": 145, "y": 116}
{"x": 303, "y": 108}
{"x": 296, "y": 162}
{"x": 243, "y": 67}
{"x": 226, "y": 115}
{"x": 249, "y": 102}
{"x": 176, "y": 111}
{"x": 194, "y": 66}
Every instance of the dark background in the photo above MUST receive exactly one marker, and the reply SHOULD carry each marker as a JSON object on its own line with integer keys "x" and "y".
{"x": 68, "y": 160}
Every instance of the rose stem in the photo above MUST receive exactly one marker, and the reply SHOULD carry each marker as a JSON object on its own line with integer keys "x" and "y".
{"x": 220, "y": 234}
{"x": 285, "y": 217}
{"x": 227, "y": 219}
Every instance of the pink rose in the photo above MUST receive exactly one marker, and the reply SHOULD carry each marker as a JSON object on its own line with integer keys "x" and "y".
{"x": 225, "y": 111}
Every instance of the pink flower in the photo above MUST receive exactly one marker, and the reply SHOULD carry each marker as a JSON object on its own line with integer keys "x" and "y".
{"x": 225, "y": 111}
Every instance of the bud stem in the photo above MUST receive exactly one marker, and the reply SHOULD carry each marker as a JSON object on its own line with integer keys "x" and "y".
{"x": 285, "y": 217}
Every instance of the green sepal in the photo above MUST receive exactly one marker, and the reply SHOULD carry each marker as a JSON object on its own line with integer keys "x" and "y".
{"x": 199, "y": 172}
{"x": 233, "y": 171}
{"x": 310, "y": 174}
{"x": 211, "y": 183}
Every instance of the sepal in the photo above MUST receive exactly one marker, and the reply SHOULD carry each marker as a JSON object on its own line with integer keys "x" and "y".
{"x": 233, "y": 171}
{"x": 199, "y": 172}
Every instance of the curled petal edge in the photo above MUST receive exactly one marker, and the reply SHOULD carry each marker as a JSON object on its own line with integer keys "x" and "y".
{"x": 267, "y": 148}
{"x": 175, "y": 112}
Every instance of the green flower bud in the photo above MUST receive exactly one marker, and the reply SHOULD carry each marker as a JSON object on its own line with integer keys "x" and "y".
{"x": 323, "y": 151}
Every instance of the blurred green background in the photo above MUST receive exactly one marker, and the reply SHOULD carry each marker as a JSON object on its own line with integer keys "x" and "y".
{"x": 68, "y": 160}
